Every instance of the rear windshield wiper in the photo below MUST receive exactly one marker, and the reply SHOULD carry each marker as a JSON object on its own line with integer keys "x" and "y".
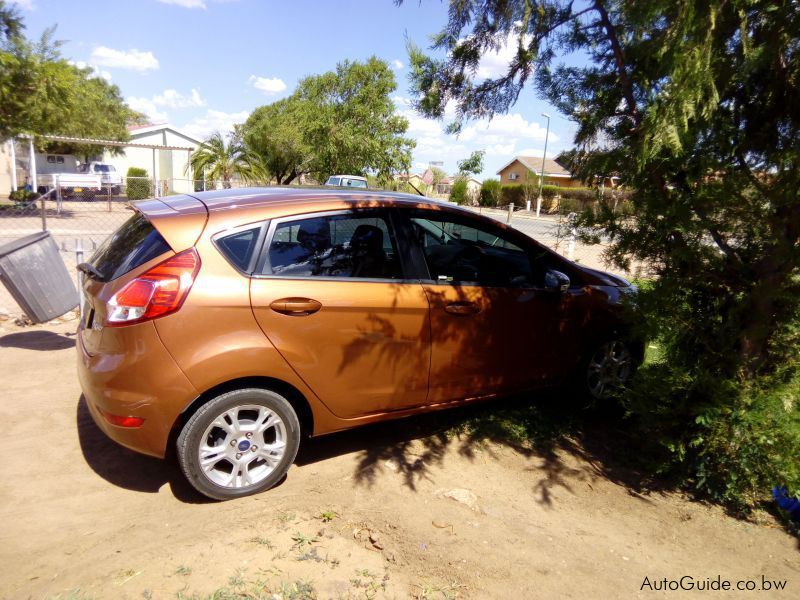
{"x": 91, "y": 271}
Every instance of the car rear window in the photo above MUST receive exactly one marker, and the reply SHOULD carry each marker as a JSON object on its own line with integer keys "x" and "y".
{"x": 130, "y": 246}
{"x": 239, "y": 247}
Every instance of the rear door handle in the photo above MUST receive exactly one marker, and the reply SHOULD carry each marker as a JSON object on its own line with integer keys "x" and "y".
{"x": 463, "y": 308}
{"x": 296, "y": 307}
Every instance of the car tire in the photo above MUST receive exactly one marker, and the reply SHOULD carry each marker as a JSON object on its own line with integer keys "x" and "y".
{"x": 240, "y": 443}
{"x": 606, "y": 369}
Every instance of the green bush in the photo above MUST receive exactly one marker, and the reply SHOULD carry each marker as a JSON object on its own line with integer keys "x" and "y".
{"x": 20, "y": 195}
{"x": 513, "y": 193}
{"x": 459, "y": 192}
{"x": 139, "y": 185}
{"x": 490, "y": 193}
{"x": 726, "y": 441}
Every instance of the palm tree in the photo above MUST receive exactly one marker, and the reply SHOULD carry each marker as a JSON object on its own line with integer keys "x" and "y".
{"x": 216, "y": 160}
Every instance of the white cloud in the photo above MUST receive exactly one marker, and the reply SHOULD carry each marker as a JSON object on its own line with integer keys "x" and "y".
{"x": 538, "y": 152}
{"x": 174, "y": 99}
{"x": 96, "y": 71}
{"x": 495, "y": 63}
{"x": 133, "y": 59}
{"x": 185, "y": 3}
{"x": 148, "y": 107}
{"x": 267, "y": 85}
{"x": 512, "y": 125}
{"x": 397, "y": 64}
{"x": 214, "y": 120}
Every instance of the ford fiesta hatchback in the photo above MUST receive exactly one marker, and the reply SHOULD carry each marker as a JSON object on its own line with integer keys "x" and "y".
{"x": 226, "y": 325}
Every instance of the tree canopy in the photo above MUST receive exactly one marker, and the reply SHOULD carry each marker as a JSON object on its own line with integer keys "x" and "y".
{"x": 42, "y": 93}
{"x": 472, "y": 165}
{"x": 342, "y": 121}
{"x": 693, "y": 105}
{"x": 219, "y": 160}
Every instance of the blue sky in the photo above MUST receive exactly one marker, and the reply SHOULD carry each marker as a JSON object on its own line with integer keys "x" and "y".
{"x": 202, "y": 65}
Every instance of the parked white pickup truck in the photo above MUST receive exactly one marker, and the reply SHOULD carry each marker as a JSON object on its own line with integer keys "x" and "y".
{"x": 91, "y": 179}
{"x": 109, "y": 177}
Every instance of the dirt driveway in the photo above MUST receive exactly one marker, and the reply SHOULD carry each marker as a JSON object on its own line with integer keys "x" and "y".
{"x": 388, "y": 511}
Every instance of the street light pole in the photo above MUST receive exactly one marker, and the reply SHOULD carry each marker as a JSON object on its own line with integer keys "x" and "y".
{"x": 544, "y": 155}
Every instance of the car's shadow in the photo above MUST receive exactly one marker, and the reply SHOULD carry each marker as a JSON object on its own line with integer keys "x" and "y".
{"x": 128, "y": 469}
{"x": 38, "y": 340}
{"x": 411, "y": 445}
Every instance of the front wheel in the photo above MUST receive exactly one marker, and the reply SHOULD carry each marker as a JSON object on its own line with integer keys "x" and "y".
{"x": 240, "y": 443}
{"x": 608, "y": 369}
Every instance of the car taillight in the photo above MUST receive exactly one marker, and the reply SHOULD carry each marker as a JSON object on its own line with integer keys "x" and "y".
{"x": 155, "y": 293}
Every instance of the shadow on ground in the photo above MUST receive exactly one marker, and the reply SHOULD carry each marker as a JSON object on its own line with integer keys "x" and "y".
{"x": 545, "y": 427}
{"x": 38, "y": 340}
{"x": 127, "y": 469}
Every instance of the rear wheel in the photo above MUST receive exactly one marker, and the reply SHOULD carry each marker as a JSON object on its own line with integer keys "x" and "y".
{"x": 608, "y": 369}
{"x": 240, "y": 443}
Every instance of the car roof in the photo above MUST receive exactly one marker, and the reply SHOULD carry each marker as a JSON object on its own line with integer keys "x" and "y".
{"x": 269, "y": 197}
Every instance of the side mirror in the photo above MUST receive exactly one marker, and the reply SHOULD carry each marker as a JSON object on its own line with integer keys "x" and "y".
{"x": 556, "y": 281}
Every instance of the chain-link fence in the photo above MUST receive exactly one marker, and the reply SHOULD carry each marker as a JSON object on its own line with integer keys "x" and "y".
{"x": 81, "y": 217}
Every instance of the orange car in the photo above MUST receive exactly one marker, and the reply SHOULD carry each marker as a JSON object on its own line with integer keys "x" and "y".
{"x": 228, "y": 324}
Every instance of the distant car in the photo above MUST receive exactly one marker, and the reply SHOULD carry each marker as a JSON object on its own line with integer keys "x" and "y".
{"x": 228, "y": 324}
{"x": 352, "y": 181}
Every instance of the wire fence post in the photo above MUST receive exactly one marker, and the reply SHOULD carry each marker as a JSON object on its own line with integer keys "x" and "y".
{"x": 79, "y": 260}
{"x": 573, "y": 234}
{"x": 109, "y": 198}
{"x": 44, "y": 213}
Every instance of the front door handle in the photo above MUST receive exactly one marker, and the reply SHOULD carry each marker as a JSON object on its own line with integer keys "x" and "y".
{"x": 462, "y": 308}
{"x": 296, "y": 307}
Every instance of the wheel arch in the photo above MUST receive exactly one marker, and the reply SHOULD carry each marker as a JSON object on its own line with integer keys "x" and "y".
{"x": 298, "y": 401}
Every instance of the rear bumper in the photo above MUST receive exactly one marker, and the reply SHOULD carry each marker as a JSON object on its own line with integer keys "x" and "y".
{"x": 134, "y": 375}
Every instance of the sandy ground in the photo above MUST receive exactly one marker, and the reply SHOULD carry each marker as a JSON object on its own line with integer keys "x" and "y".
{"x": 385, "y": 511}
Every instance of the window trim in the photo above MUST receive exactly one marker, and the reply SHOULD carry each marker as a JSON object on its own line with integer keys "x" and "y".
{"x": 251, "y": 265}
{"x": 382, "y": 211}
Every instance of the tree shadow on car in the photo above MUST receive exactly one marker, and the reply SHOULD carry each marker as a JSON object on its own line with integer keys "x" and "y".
{"x": 551, "y": 428}
{"x": 38, "y": 340}
{"x": 128, "y": 469}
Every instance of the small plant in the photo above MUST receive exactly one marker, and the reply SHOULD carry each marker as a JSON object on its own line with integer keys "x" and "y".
{"x": 301, "y": 540}
{"x": 183, "y": 570}
{"x": 298, "y": 590}
{"x": 262, "y": 541}
{"x": 327, "y": 516}
{"x": 285, "y": 517}
{"x": 237, "y": 579}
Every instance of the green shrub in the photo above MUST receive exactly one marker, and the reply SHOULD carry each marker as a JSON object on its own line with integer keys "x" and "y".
{"x": 139, "y": 186}
{"x": 490, "y": 193}
{"x": 727, "y": 441}
{"x": 515, "y": 193}
{"x": 459, "y": 192}
{"x": 20, "y": 195}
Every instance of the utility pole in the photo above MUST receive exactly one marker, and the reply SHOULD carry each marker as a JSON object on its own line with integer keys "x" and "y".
{"x": 544, "y": 156}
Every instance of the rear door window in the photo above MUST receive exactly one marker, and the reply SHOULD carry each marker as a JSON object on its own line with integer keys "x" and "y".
{"x": 348, "y": 245}
{"x": 130, "y": 246}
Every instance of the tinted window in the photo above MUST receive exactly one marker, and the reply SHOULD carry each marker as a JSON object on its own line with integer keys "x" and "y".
{"x": 132, "y": 245}
{"x": 460, "y": 251}
{"x": 344, "y": 245}
{"x": 239, "y": 247}
{"x": 354, "y": 183}
{"x": 333, "y": 181}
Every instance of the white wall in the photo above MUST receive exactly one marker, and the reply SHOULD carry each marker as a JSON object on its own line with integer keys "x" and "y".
{"x": 171, "y": 163}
